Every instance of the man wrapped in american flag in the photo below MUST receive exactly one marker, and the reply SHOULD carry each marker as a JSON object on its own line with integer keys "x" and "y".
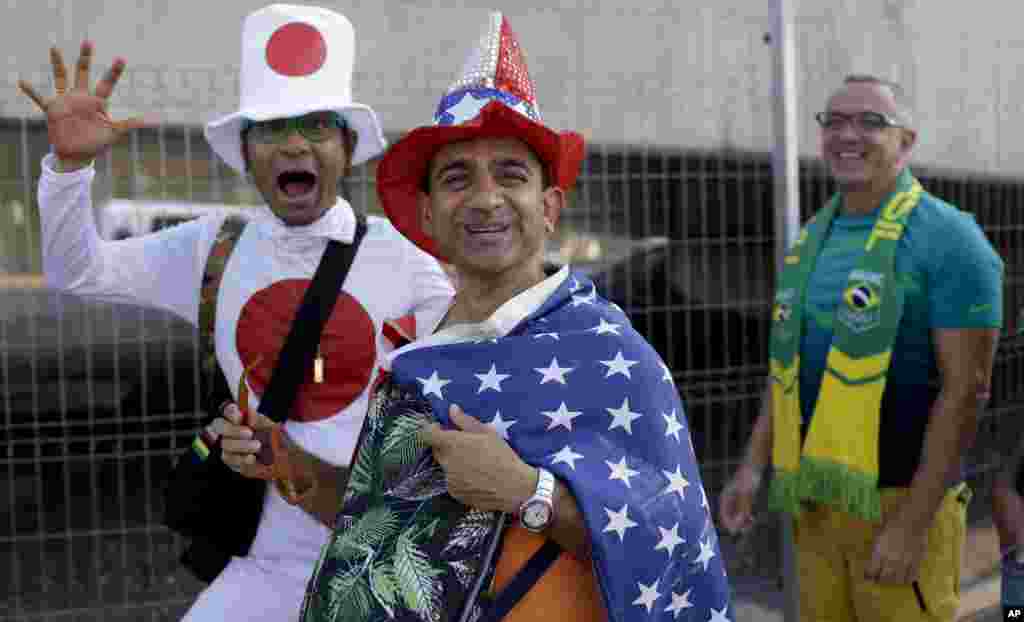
{"x": 528, "y": 456}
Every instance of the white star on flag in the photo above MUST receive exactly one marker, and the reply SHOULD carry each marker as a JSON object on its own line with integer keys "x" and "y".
{"x": 620, "y": 471}
{"x": 588, "y": 299}
{"x": 622, "y": 417}
{"x": 561, "y": 417}
{"x": 575, "y": 286}
{"x": 491, "y": 380}
{"x": 672, "y": 425}
{"x": 500, "y": 425}
{"x": 553, "y": 373}
{"x": 433, "y": 384}
{"x": 467, "y": 108}
{"x": 566, "y": 455}
{"x": 718, "y": 616}
{"x": 607, "y": 328}
{"x": 619, "y": 522}
{"x": 648, "y": 594}
{"x": 669, "y": 539}
{"x": 636, "y": 460}
{"x": 676, "y": 483}
{"x": 679, "y": 602}
{"x": 618, "y": 365}
{"x": 666, "y": 374}
{"x": 706, "y": 553}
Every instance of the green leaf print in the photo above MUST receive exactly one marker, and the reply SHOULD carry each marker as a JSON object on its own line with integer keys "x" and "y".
{"x": 432, "y": 528}
{"x": 402, "y": 445}
{"x": 350, "y": 598}
{"x": 416, "y": 584}
{"x": 384, "y": 587}
{"x": 468, "y": 534}
{"x": 426, "y": 481}
{"x": 364, "y": 537}
{"x": 364, "y": 472}
{"x": 318, "y": 608}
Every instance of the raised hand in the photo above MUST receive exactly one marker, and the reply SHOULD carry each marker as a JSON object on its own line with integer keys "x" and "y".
{"x": 77, "y": 121}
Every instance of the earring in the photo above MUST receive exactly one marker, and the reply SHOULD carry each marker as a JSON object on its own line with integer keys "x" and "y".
{"x": 549, "y": 226}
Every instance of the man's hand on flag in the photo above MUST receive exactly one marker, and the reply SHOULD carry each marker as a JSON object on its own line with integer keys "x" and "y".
{"x": 483, "y": 471}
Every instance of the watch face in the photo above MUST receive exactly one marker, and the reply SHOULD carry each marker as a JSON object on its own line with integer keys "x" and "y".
{"x": 536, "y": 515}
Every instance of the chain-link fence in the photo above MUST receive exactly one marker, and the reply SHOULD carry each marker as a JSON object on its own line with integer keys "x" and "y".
{"x": 97, "y": 399}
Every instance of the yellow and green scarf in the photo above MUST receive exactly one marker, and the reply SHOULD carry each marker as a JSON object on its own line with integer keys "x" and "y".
{"x": 838, "y": 462}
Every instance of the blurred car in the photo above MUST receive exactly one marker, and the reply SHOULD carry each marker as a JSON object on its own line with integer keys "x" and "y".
{"x": 123, "y": 218}
{"x": 81, "y": 378}
{"x": 86, "y": 378}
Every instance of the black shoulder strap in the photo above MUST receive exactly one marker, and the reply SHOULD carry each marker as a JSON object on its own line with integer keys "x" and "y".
{"x": 304, "y": 334}
{"x": 525, "y": 579}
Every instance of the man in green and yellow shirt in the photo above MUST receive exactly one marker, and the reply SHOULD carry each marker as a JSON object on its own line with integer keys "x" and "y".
{"x": 884, "y": 330}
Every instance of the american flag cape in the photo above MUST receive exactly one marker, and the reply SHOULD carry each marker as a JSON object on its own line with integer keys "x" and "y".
{"x": 575, "y": 389}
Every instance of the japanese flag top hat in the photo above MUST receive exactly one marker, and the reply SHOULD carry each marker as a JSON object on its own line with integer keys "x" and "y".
{"x": 492, "y": 97}
{"x": 296, "y": 60}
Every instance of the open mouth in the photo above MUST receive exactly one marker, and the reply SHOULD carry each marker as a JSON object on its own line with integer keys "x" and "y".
{"x": 297, "y": 184}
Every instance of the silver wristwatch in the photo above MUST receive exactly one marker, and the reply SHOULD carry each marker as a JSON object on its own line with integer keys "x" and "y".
{"x": 537, "y": 512}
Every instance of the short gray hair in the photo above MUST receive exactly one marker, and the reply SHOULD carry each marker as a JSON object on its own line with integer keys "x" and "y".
{"x": 895, "y": 89}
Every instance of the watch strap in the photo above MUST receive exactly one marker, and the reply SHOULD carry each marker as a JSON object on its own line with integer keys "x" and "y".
{"x": 543, "y": 493}
{"x": 545, "y": 485}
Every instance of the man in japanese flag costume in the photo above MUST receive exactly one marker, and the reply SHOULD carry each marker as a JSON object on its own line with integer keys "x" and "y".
{"x": 297, "y": 132}
{"x": 530, "y": 434}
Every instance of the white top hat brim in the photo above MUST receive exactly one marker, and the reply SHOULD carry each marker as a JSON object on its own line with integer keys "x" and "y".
{"x": 225, "y": 134}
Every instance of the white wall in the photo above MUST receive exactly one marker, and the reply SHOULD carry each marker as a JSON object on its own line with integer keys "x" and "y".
{"x": 681, "y": 74}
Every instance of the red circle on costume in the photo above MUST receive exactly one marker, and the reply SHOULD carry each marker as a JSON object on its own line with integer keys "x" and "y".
{"x": 347, "y": 345}
{"x": 296, "y": 49}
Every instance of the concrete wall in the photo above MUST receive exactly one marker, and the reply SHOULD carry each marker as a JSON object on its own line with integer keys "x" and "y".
{"x": 680, "y": 74}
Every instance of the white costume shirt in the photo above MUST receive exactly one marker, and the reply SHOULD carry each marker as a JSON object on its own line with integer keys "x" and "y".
{"x": 262, "y": 285}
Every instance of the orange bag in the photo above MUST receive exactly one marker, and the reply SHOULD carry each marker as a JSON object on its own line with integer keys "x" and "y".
{"x": 567, "y": 592}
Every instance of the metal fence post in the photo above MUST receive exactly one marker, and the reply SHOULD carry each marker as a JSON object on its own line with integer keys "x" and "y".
{"x": 785, "y": 172}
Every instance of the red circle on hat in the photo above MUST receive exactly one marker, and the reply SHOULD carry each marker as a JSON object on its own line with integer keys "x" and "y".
{"x": 296, "y": 49}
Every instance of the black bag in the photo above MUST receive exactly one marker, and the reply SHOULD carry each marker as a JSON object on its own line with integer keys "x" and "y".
{"x": 205, "y": 500}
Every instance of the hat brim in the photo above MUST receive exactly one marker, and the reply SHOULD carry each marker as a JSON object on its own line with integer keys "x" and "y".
{"x": 403, "y": 168}
{"x": 225, "y": 134}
